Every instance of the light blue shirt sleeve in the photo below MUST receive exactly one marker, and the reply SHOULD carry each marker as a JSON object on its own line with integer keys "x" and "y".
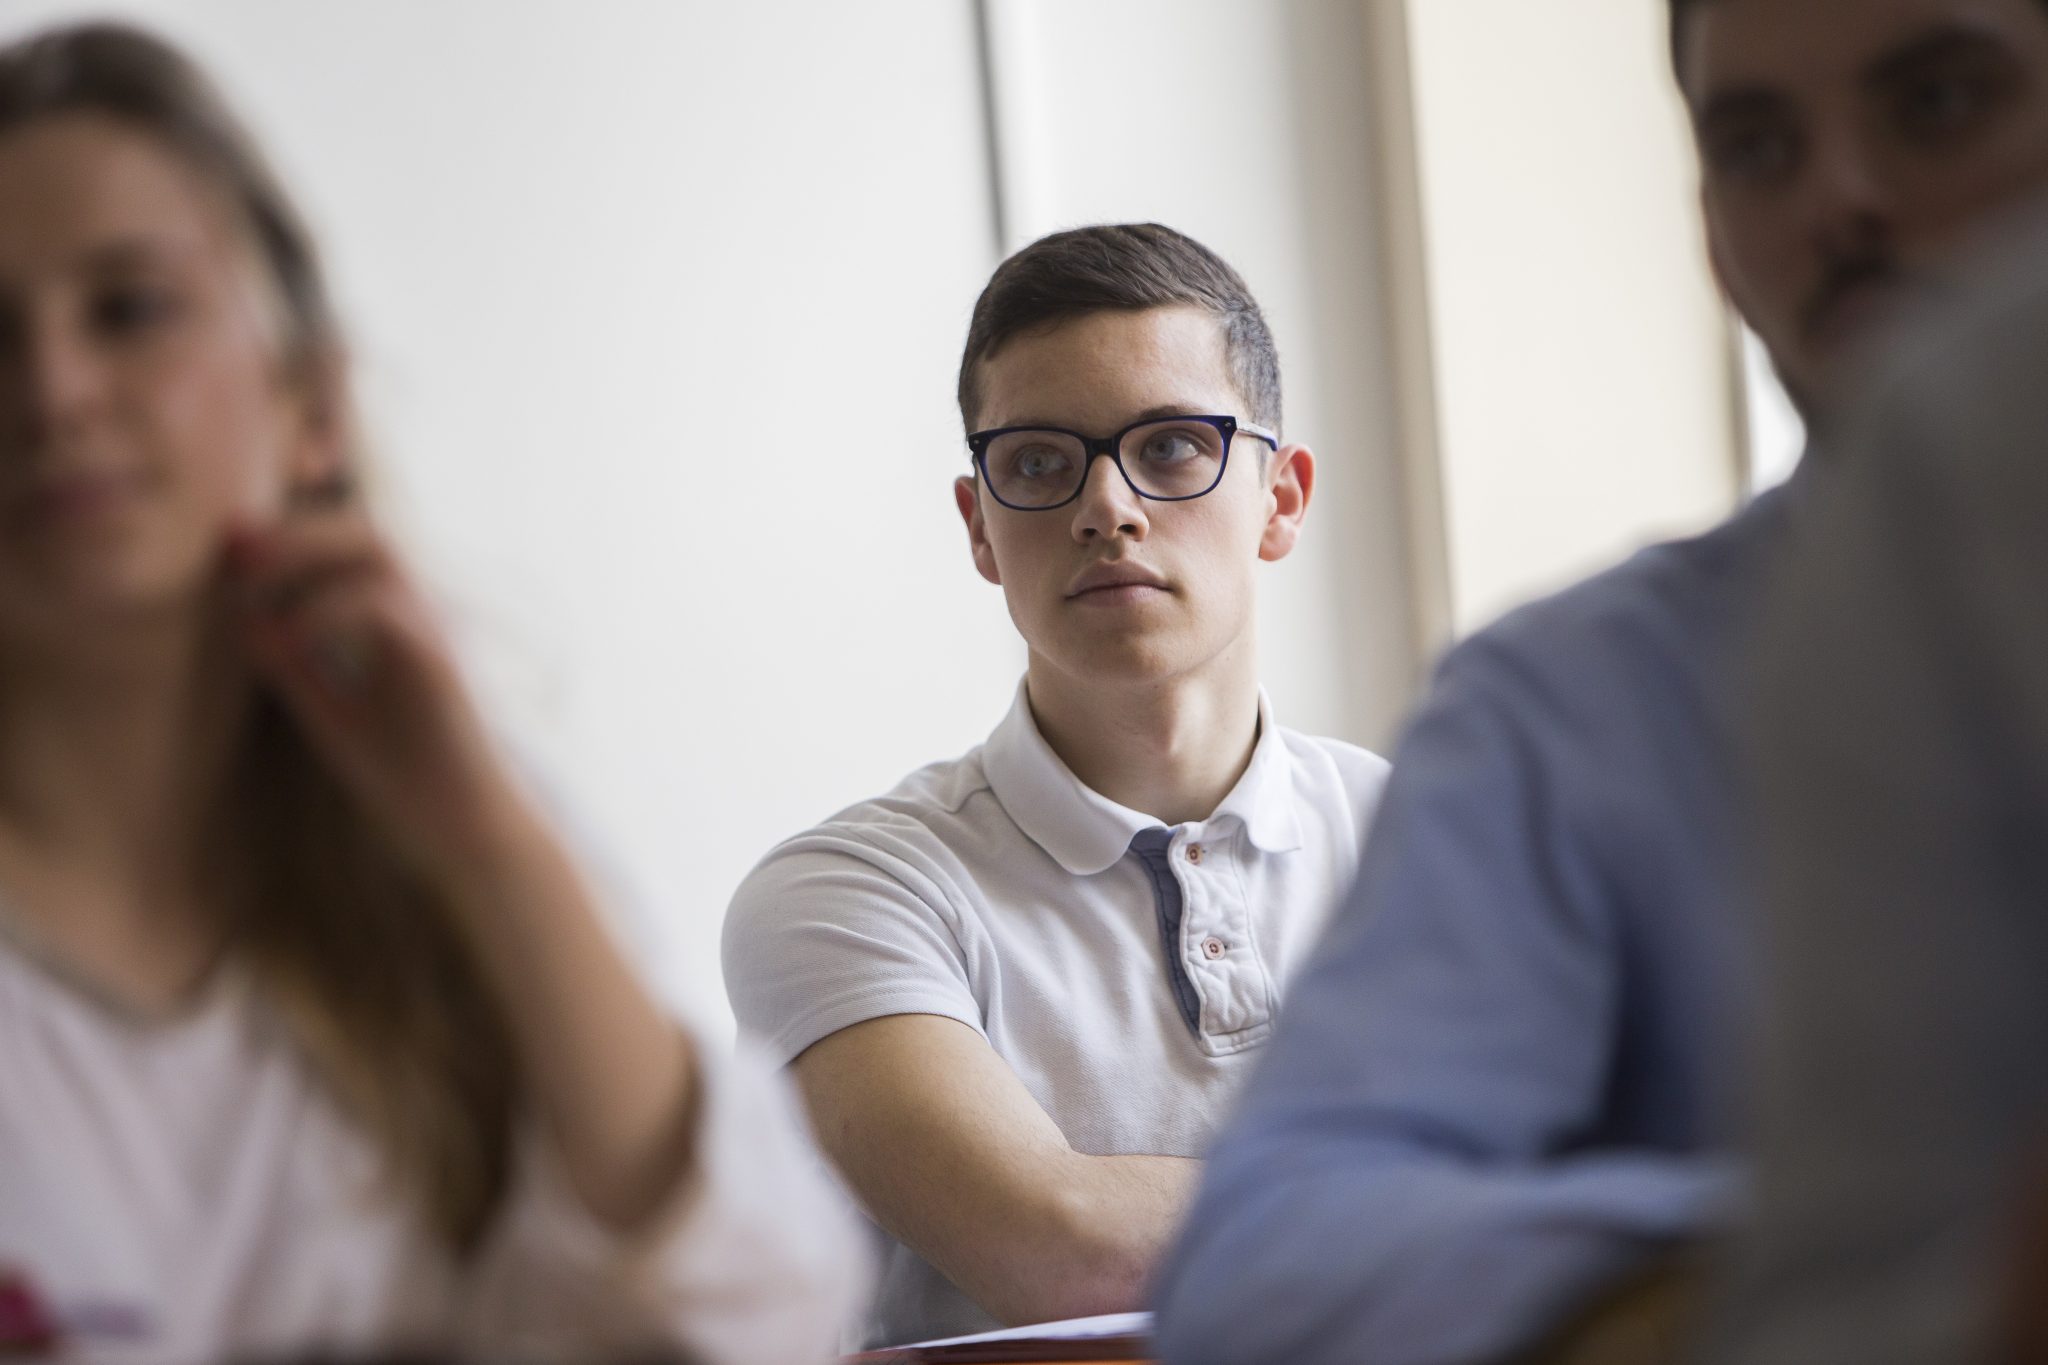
{"x": 1428, "y": 1166}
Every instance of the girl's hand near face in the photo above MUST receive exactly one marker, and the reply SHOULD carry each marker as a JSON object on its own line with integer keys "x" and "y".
{"x": 333, "y": 624}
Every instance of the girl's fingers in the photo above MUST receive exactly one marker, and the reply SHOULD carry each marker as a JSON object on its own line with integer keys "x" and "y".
{"x": 335, "y": 629}
{"x": 282, "y": 598}
{"x": 298, "y": 535}
{"x": 331, "y": 643}
{"x": 304, "y": 577}
{"x": 273, "y": 564}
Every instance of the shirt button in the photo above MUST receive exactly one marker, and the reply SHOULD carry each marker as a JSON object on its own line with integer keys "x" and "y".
{"x": 1194, "y": 853}
{"x": 1212, "y": 948}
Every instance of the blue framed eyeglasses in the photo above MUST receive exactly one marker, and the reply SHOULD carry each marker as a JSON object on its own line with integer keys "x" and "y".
{"x": 1165, "y": 459}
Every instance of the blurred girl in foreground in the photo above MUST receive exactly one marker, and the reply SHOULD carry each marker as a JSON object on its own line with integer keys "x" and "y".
{"x": 310, "y": 1033}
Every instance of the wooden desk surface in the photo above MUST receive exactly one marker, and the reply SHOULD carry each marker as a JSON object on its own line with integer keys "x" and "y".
{"x": 926, "y": 1358}
{"x": 1119, "y": 1350}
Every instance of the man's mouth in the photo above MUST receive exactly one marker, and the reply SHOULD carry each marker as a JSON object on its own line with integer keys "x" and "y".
{"x": 1115, "y": 582}
{"x": 1853, "y": 301}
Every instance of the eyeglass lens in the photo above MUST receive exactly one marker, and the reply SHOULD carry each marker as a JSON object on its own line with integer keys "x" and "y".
{"x": 1169, "y": 459}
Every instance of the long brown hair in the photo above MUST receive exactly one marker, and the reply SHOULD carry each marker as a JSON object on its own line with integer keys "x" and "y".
{"x": 353, "y": 948}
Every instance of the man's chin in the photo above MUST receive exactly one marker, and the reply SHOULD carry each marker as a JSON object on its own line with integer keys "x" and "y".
{"x": 1857, "y": 319}
{"x": 1842, "y": 344}
{"x": 1119, "y": 657}
{"x": 1830, "y": 369}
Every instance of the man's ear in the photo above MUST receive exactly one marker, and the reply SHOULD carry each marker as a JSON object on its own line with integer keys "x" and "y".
{"x": 967, "y": 497}
{"x": 1290, "y": 483}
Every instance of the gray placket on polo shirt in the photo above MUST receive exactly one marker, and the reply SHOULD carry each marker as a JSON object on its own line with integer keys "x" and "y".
{"x": 1225, "y": 995}
{"x": 1154, "y": 850}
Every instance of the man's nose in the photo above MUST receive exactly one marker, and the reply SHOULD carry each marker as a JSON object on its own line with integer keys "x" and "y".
{"x": 1108, "y": 505}
{"x": 1849, "y": 206}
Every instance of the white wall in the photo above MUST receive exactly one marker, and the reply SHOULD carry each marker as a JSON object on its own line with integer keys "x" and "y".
{"x": 658, "y": 307}
{"x": 1775, "y": 432}
{"x": 1582, "y": 359}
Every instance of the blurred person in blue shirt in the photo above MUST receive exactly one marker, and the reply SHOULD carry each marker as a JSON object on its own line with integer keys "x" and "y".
{"x": 1499, "y": 1113}
{"x": 1900, "y": 764}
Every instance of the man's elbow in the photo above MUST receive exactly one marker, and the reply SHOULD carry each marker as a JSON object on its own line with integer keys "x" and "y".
{"x": 1081, "y": 1261}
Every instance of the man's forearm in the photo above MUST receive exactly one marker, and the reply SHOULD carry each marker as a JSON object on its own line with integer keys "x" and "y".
{"x": 1112, "y": 1218}
{"x": 953, "y": 1157}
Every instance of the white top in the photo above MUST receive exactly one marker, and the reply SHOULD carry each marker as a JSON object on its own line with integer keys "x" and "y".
{"x": 182, "y": 1191}
{"x": 1128, "y": 990}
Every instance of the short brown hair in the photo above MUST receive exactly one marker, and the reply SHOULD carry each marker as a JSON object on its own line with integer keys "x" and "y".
{"x": 1121, "y": 267}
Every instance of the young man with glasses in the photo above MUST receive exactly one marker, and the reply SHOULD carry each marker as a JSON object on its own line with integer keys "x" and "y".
{"x": 1019, "y": 991}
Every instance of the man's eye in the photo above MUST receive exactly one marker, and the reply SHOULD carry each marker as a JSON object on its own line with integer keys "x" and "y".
{"x": 1171, "y": 447}
{"x": 1039, "y": 462}
{"x": 1941, "y": 106}
{"x": 1755, "y": 154}
{"x": 132, "y": 308}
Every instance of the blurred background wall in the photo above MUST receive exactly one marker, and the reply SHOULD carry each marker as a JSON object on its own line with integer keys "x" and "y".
{"x": 657, "y": 306}
{"x": 1581, "y": 353}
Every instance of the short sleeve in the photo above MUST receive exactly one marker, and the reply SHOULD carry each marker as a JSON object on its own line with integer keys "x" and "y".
{"x": 833, "y": 929}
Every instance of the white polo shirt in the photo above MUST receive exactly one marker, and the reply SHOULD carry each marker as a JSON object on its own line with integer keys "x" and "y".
{"x": 1125, "y": 971}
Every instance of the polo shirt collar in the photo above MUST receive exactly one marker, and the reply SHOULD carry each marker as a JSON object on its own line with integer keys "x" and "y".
{"x": 1086, "y": 832}
{"x": 1263, "y": 799}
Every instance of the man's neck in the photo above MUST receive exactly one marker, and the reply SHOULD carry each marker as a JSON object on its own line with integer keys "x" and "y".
{"x": 1171, "y": 749}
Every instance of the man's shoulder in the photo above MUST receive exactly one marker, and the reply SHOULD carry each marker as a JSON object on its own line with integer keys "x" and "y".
{"x": 930, "y": 799}
{"x": 930, "y": 805}
{"x": 918, "y": 839}
{"x": 1657, "y": 616}
{"x": 868, "y": 912}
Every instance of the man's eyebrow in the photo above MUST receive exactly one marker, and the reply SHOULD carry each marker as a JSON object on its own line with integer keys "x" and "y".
{"x": 1156, "y": 413}
{"x": 1164, "y": 410}
{"x": 1741, "y": 102}
{"x": 1952, "y": 39}
{"x": 1023, "y": 423}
